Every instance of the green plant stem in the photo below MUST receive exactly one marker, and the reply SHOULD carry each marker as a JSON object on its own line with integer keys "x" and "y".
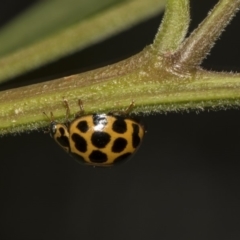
{"x": 148, "y": 78}
{"x": 173, "y": 28}
{"x": 197, "y": 46}
{"x": 30, "y": 26}
{"x": 21, "y": 109}
{"x": 92, "y": 30}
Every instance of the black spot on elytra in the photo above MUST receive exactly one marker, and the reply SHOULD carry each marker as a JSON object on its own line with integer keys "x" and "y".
{"x": 83, "y": 126}
{"x": 99, "y": 119}
{"x": 135, "y": 135}
{"x": 119, "y": 126}
{"x": 122, "y": 158}
{"x": 62, "y": 140}
{"x": 80, "y": 143}
{"x": 97, "y": 156}
{"x": 61, "y": 130}
{"x": 100, "y": 139}
{"x": 119, "y": 145}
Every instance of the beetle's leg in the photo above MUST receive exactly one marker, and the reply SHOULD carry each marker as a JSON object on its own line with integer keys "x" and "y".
{"x": 124, "y": 112}
{"x": 66, "y": 105}
{"x": 81, "y": 111}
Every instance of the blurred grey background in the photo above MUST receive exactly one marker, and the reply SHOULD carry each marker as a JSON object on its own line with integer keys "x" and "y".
{"x": 183, "y": 183}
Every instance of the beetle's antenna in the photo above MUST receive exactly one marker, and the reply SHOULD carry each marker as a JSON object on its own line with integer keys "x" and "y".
{"x": 51, "y": 118}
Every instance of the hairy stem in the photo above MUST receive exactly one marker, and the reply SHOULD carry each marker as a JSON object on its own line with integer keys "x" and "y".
{"x": 79, "y": 36}
{"x": 173, "y": 28}
{"x": 200, "y": 42}
{"x": 149, "y": 78}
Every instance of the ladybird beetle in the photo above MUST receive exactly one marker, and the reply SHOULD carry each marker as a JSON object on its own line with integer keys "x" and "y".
{"x": 99, "y": 139}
